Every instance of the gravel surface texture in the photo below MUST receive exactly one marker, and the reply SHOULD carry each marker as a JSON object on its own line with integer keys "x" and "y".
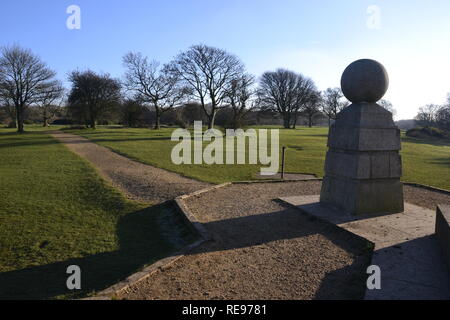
{"x": 137, "y": 180}
{"x": 263, "y": 249}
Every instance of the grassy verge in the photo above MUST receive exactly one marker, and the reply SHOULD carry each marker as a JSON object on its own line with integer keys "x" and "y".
{"x": 426, "y": 162}
{"x": 56, "y": 211}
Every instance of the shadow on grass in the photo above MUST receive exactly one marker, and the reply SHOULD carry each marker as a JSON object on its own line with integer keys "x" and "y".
{"x": 127, "y": 139}
{"x": 433, "y": 142}
{"x": 27, "y": 138}
{"x": 323, "y": 135}
{"x": 298, "y": 148}
{"x": 441, "y": 161}
{"x": 140, "y": 243}
{"x": 17, "y": 142}
{"x": 35, "y": 142}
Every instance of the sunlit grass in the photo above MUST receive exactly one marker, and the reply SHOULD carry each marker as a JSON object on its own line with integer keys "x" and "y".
{"x": 426, "y": 162}
{"x": 55, "y": 211}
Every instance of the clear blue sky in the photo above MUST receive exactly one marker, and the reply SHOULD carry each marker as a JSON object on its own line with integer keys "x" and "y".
{"x": 317, "y": 38}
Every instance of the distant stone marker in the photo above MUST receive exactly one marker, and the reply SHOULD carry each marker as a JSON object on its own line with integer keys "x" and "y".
{"x": 363, "y": 166}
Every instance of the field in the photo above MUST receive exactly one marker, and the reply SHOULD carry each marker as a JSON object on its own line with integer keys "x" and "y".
{"x": 56, "y": 211}
{"x": 425, "y": 162}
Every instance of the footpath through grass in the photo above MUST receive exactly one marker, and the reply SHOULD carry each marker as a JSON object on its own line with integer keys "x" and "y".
{"x": 56, "y": 211}
{"x": 426, "y": 162}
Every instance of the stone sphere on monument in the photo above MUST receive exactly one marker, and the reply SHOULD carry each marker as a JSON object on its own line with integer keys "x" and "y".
{"x": 364, "y": 80}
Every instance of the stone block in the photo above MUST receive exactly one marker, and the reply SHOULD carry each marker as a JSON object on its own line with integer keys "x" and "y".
{"x": 363, "y": 165}
{"x": 365, "y": 115}
{"x": 395, "y": 165}
{"x": 378, "y": 196}
{"x": 379, "y": 165}
{"x": 364, "y": 139}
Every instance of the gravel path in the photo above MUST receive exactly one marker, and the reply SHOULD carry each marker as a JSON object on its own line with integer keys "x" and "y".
{"x": 266, "y": 250}
{"x": 137, "y": 180}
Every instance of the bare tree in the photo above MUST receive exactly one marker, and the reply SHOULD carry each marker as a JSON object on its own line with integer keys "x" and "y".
{"x": 207, "y": 71}
{"x": 277, "y": 91}
{"x": 306, "y": 90}
{"x": 427, "y": 114}
{"x": 10, "y": 111}
{"x": 435, "y": 115}
{"x": 285, "y": 92}
{"x": 311, "y": 107}
{"x": 153, "y": 84}
{"x": 191, "y": 112}
{"x": 131, "y": 112}
{"x": 22, "y": 76}
{"x": 239, "y": 94}
{"x": 49, "y": 101}
{"x": 387, "y": 105}
{"x": 443, "y": 117}
{"x": 92, "y": 95}
{"x": 332, "y": 103}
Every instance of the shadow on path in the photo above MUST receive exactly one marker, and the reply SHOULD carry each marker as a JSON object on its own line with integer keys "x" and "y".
{"x": 138, "y": 247}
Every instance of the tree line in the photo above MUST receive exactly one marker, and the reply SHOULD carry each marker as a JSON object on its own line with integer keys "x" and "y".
{"x": 201, "y": 77}
{"x": 434, "y": 115}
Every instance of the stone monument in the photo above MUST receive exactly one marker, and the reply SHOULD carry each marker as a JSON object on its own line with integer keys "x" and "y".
{"x": 363, "y": 166}
{"x": 362, "y": 194}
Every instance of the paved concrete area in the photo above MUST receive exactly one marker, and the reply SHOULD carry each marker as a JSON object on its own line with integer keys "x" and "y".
{"x": 406, "y": 250}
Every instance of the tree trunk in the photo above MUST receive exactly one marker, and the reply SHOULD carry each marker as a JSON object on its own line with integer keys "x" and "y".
{"x": 211, "y": 119}
{"x": 93, "y": 124}
{"x": 46, "y": 124}
{"x": 236, "y": 121}
{"x": 295, "y": 121}
{"x": 132, "y": 123}
{"x": 286, "y": 120}
{"x": 20, "y": 119}
{"x": 157, "y": 120}
{"x": 92, "y": 115}
{"x": 310, "y": 120}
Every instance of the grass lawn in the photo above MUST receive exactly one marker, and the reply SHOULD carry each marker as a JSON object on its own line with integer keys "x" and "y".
{"x": 426, "y": 162}
{"x": 56, "y": 211}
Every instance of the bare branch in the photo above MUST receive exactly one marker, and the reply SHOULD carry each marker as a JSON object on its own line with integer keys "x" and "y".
{"x": 208, "y": 72}
{"x": 22, "y": 78}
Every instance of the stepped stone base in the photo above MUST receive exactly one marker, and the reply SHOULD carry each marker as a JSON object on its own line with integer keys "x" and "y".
{"x": 363, "y": 166}
{"x": 363, "y": 196}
